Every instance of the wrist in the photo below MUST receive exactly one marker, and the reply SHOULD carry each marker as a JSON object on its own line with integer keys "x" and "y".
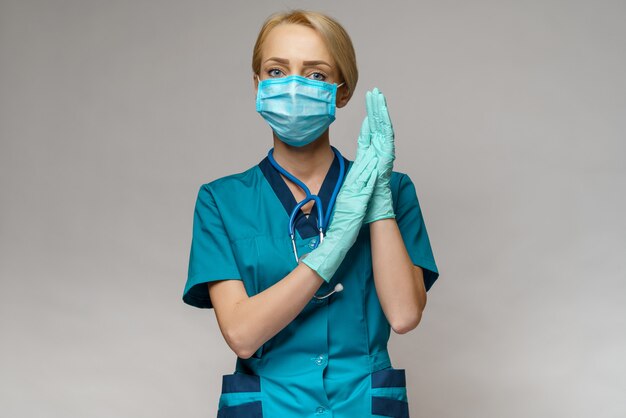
{"x": 381, "y": 206}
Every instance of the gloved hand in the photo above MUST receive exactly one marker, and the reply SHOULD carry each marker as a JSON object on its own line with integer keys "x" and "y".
{"x": 382, "y": 141}
{"x": 350, "y": 207}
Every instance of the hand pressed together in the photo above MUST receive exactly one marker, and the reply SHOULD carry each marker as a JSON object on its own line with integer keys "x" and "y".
{"x": 365, "y": 195}
{"x": 377, "y": 125}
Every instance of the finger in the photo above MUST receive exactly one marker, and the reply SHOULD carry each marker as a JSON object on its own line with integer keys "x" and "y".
{"x": 361, "y": 161}
{"x": 384, "y": 115}
{"x": 376, "y": 128}
{"x": 364, "y": 141}
{"x": 384, "y": 99}
{"x": 368, "y": 172}
{"x": 365, "y": 131}
{"x": 375, "y": 95}
{"x": 365, "y": 135}
{"x": 382, "y": 132}
{"x": 370, "y": 111}
{"x": 375, "y": 110}
{"x": 357, "y": 168}
{"x": 371, "y": 182}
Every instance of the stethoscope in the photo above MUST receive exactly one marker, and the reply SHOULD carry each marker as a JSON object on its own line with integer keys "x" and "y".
{"x": 322, "y": 219}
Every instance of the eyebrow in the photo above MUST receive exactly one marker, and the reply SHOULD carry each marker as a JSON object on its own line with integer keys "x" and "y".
{"x": 306, "y": 63}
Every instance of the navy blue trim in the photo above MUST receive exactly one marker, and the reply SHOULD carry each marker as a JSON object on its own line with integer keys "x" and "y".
{"x": 307, "y": 227}
{"x": 430, "y": 277}
{"x": 245, "y": 410}
{"x": 241, "y": 382}
{"x": 198, "y": 296}
{"x": 386, "y": 378}
{"x": 389, "y": 407}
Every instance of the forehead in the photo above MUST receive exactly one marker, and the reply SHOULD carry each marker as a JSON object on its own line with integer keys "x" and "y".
{"x": 295, "y": 43}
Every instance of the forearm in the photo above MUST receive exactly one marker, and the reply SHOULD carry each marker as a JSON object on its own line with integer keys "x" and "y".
{"x": 260, "y": 317}
{"x": 399, "y": 283}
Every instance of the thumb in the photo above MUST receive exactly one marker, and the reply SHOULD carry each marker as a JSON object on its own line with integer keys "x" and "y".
{"x": 365, "y": 139}
{"x": 368, "y": 175}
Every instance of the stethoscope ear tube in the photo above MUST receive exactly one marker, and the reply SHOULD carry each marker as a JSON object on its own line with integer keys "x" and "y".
{"x": 295, "y": 248}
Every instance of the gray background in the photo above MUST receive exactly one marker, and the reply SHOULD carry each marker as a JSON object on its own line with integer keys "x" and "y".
{"x": 510, "y": 118}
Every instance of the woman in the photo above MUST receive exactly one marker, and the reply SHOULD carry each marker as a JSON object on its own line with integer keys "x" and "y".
{"x": 308, "y": 313}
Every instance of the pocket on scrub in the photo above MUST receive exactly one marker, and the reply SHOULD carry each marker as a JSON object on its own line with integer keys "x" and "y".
{"x": 241, "y": 396}
{"x": 389, "y": 396}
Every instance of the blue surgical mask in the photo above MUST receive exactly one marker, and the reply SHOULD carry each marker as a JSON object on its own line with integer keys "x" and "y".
{"x": 297, "y": 108}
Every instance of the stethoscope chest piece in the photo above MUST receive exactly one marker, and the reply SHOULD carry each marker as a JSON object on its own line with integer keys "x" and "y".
{"x": 338, "y": 288}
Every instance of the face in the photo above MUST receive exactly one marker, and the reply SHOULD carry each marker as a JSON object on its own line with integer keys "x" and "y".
{"x": 292, "y": 49}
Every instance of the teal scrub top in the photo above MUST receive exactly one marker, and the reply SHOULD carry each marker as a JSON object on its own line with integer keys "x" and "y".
{"x": 332, "y": 359}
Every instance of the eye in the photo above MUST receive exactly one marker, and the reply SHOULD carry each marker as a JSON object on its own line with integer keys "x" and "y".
{"x": 274, "y": 72}
{"x": 318, "y": 76}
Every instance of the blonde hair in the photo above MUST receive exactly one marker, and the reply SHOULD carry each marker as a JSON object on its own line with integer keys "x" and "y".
{"x": 337, "y": 41}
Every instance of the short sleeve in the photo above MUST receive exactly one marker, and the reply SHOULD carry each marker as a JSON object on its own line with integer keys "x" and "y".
{"x": 413, "y": 230}
{"x": 211, "y": 257}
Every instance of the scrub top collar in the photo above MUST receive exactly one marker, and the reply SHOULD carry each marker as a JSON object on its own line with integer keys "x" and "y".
{"x": 306, "y": 227}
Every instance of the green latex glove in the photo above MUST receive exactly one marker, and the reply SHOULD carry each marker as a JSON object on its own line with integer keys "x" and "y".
{"x": 350, "y": 207}
{"x": 382, "y": 141}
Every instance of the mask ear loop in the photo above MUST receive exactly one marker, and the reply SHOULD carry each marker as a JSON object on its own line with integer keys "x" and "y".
{"x": 339, "y": 85}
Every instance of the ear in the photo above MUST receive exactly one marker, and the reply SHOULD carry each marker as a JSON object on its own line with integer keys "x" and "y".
{"x": 343, "y": 96}
{"x": 255, "y": 81}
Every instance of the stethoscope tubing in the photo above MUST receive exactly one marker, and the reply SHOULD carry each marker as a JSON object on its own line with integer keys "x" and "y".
{"x": 322, "y": 219}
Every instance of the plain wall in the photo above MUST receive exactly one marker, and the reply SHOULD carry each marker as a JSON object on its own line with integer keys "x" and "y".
{"x": 510, "y": 117}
